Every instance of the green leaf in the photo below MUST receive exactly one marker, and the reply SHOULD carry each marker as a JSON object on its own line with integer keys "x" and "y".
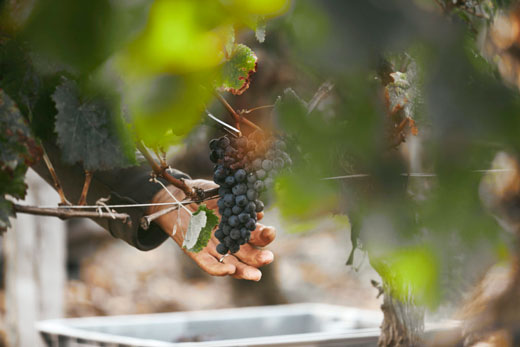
{"x": 203, "y": 234}
{"x": 18, "y": 149}
{"x": 237, "y": 71}
{"x": 6, "y": 211}
{"x": 89, "y": 132}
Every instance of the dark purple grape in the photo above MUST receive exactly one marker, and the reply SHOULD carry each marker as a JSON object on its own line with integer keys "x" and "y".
{"x": 279, "y": 144}
{"x": 227, "y": 212}
{"x": 267, "y": 165}
{"x": 222, "y": 248}
{"x": 213, "y": 144}
{"x": 261, "y": 174}
{"x": 213, "y": 156}
{"x": 252, "y": 194}
{"x": 251, "y": 207}
{"x": 259, "y": 206}
{"x": 251, "y": 224}
{"x": 257, "y": 164}
{"x": 240, "y": 175}
{"x": 239, "y": 189}
{"x": 223, "y": 191}
{"x": 233, "y": 221}
{"x": 226, "y": 229}
{"x": 219, "y": 234}
{"x": 229, "y": 200}
{"x": 251, "y": 178}
{"x": 243, "y": 217}
{"x": 230, "y": 181}
{"x": 234, "y": 248}
{"x": 237, "y": 210}
{"x": 220, "y": 203}
{"x": 241, "y": 200}
{"x": 229, "y": 242}
{"x": 234, "y": 234}
{"x": 259, "y": 186}
{"x": 278, "y": 163}
{"x": 242, "y": 141}
{"x": 223, "y": 142}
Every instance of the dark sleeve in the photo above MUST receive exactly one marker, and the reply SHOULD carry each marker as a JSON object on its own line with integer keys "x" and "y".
{"x": 122, "y": 186}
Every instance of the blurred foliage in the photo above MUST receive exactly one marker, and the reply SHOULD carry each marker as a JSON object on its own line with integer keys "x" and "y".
{"x": 154, "y": 64}
{"x": 464, "y": 113}
{"x": 18, "y": 150}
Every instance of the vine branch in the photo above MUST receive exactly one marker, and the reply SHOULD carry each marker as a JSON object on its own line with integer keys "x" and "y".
{"x": 65, "y": 213}
{"x": 238, "y": 119}
{"x": 179, "y": 183}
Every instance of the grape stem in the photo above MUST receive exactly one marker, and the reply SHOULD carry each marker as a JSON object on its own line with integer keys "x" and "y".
{"x": 161, "y": 172}
{"x": 238, "y": 118}
{"x": 196, "y": 194}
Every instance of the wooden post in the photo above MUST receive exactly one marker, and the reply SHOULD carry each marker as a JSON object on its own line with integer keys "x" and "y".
{"x": 35, "y": 267}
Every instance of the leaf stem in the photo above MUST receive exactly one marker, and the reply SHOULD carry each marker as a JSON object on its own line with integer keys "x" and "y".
{"x": 86, "y": 186}
{"x": 57, "y": 184}
{"x": 65, "y": 213}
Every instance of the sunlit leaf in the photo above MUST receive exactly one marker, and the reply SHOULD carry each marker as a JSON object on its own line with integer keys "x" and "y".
{"x": 412, "y": 273}
{"x": 199, "y": 230}
{"x": 237, "y": 71}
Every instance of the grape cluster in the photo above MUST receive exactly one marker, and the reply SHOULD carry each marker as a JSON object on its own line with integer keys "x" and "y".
{"x": 244, "y": 168}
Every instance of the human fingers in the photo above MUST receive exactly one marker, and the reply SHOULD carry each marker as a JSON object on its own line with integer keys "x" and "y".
{"x": 243, "y": 271}
{"x": 211, "y": 265}
{"x": 262, "y": 235}
{"x": 253, "y": 256}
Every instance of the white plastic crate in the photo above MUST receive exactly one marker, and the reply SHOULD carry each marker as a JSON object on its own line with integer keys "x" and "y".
{"x": 282, "y": 325}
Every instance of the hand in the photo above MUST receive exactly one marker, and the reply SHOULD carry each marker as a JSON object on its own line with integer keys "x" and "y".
{"x": 243, "y": 265}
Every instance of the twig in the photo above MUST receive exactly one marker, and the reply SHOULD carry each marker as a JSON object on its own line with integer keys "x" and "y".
{"x": 65, "y": 214}
{"x": 248, "y": 111}
{"x": 86, "y": 185}
{"x": 179, "y": 183}
{"x": 235, "y": 115}
{"x": 162, "y": 158}
{"x": 57, "y": 184}
{"x": 322, "y": 91}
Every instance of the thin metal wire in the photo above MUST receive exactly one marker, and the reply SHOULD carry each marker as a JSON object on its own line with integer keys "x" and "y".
{"x": 222, "y": 123}
{"x": 413, "y": 174}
